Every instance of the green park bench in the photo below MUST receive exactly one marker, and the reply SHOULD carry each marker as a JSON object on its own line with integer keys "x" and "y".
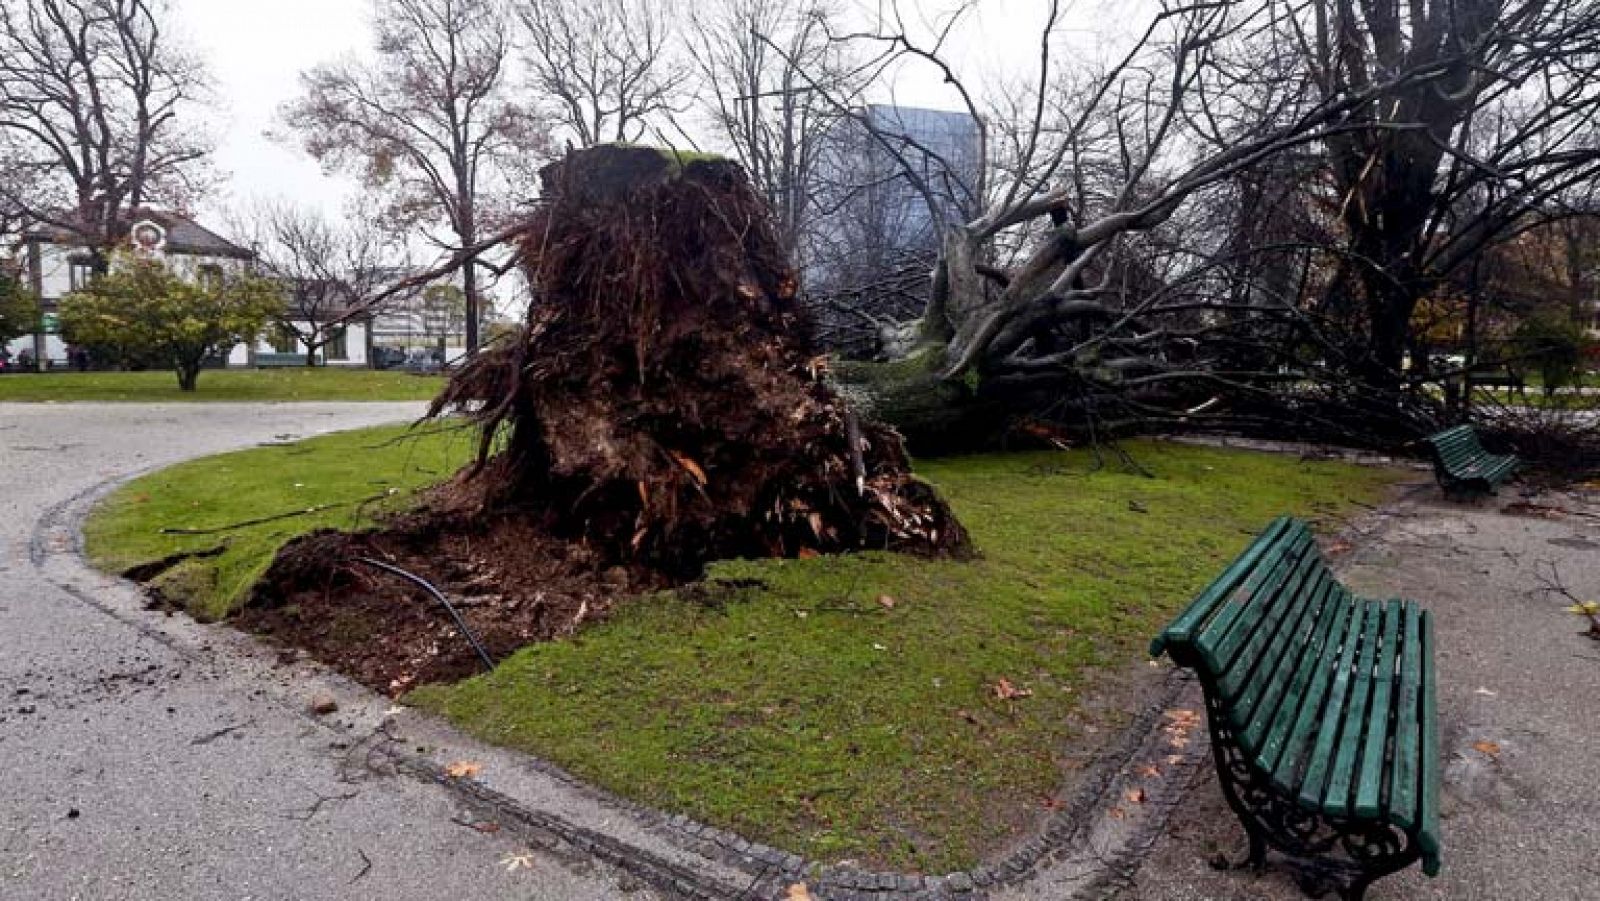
{"x": 277, "y": 360}
{"x": 1321, "y": 707}
{"x": 1462, "y": 465}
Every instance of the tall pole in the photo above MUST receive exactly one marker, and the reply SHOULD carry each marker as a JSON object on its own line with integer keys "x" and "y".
{"x": 36, "y": 283}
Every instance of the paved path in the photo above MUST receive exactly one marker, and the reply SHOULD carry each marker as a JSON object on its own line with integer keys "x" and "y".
{"x": 1519, "y": 708}
{"x": 143, "y": 759}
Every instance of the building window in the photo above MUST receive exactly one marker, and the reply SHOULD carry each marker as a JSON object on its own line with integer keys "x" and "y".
{"x": 80, "y": 272}
{"x": 283, "y": 340}
{"x": 337, "y": 347}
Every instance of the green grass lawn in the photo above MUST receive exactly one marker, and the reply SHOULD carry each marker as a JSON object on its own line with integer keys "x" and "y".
{"x": 287, "y": 384}
{"x": 839, "y": 707}
{"x": 338, "y": 475}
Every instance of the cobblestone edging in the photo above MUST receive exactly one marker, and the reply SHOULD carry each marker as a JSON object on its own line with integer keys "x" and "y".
{"x": 770, "y": 870}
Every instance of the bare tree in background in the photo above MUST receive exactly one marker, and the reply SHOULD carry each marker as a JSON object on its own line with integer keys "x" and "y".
{"x": 1449, "y": 166}
{"x": 773, "y": 83}
{"x": 432, "y": 121}
{"x": 605, "y": 64}
{"x": 332, "y": 274}
{"x": 1105, "y": 159}
{"x": 96, "y": 116}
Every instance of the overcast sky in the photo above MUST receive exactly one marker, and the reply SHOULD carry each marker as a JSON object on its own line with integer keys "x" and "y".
{"x": 257, "y": 50}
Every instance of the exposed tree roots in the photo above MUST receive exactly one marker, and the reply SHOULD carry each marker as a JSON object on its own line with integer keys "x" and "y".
{"x": 662, "y": 407}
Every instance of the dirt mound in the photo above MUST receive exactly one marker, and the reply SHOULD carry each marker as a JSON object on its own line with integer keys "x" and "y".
{"x": 662, "y": 407}
{"x": 512, "y": 582}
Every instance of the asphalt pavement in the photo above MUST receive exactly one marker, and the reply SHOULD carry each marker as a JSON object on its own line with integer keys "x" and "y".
{"x": 148, "y": 757}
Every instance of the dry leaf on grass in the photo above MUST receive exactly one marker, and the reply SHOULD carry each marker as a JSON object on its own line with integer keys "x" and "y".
{"x": 1005, "y": 691}
{"x": 886, "y": 602}
{"x": 463, "y": 769}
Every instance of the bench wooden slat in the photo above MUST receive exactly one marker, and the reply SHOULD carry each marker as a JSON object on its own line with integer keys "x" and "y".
{"x": 1251, "y": 654}
{"x": 1257, "y": 707}
{"x": 1320, "y": 762}
{"x": 1374, "y": 757}
{"x": 1239, "y": 617}
{"x": 1356, "y": 723}
{"x": 1407, "y": 729}
{"x": 1428, "y": 808}
{"x": 1308, "y": 684}
{"x": 1302, "y": 736}
{"x": 1182, "y": 629}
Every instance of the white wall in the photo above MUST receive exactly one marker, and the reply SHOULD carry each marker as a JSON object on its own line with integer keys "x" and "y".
{"x": 355, "y": 342}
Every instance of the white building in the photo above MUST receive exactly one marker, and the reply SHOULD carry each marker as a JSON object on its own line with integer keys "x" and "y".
{"x": 56, "y": 263}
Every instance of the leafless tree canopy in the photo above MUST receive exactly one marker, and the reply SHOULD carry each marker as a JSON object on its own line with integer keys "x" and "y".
{"x": 96, "y": 115}
{"x": 1249, "y": 201}
{"x": 332, "y": 274}
{"x": 434, "y": 122}
{"x": 773, "y": 83}
{"x": 606, "y": 66}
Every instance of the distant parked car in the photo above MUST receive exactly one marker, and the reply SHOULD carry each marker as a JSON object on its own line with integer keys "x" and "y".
{"x": 419, "y": 360}
{"x": 388, "y": 357}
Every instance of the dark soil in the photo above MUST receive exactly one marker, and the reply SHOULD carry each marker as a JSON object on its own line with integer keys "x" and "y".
{"x": 513, "y": 583}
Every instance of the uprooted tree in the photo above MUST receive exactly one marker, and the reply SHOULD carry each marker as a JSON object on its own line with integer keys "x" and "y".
{"x": 662, "y": 407}
{"x": 664, "y": 401}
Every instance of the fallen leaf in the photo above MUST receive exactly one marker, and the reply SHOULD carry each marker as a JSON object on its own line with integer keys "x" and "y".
{"x": 799, "y": 892}
{"x": 1587, "y": 608}
{"x": 515, "y": 862}
{"x": 886, "y": 602}
{"x": 486, "y": 827}
{"x": 1005, "y": 691}
{"x": 967, "y": 716}
{"x": 1116, "y": 813}
{"x": 1134, "y": 795}
{"x": 1174, "y": 759}
{"x": 463, "y": 769}
{"x": 1487, "y": 748}
{"x": 1148, "y": 771}
{"x": 807, "y": 554}
{"x": 879, "y": 647}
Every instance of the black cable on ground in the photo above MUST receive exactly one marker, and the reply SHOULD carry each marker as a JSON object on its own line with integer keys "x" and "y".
{"x": 488, "y": 662}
